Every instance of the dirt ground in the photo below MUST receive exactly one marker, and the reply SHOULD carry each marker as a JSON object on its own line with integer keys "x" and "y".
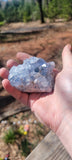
{"x": 48, "y": 45}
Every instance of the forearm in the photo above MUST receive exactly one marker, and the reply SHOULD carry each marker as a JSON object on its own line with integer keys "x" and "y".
{"x": 64, "y": 133}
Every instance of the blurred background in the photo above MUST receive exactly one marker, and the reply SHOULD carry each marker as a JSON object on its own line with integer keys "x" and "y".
{"x": 32, "y": 10}
{"x": 40, "y": 28}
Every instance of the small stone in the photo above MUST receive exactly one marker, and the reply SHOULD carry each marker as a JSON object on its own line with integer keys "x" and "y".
{"x": 8, "y": 128}
{"x": 5, "y": 122}
{"x": 24, "y": 122}
{"x": 18, "y": 122}
{"x": 34, "y": 75}
{"x": 29, "y": 120}
{"x": 14, "y": 123}
{"x": 35, "y": 122}
{"x": 2, "y": 122}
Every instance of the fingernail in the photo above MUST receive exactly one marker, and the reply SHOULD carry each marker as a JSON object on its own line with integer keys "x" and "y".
{"x": 69, "y": 46}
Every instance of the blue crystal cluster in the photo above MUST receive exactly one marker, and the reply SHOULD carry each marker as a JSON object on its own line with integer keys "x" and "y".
{"x": 34, "y": 75}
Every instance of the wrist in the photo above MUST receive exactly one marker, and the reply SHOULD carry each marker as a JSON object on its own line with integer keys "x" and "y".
{"x": 64, "y": 132}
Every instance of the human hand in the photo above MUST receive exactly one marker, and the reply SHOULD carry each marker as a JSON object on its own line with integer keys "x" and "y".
{"x": 49, "y": 108}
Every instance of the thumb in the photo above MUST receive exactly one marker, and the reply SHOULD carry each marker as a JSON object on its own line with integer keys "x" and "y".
{"x": 67, "y": 56}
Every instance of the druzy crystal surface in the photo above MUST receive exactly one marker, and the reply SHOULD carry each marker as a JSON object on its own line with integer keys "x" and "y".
{"x": 34, "y": 75}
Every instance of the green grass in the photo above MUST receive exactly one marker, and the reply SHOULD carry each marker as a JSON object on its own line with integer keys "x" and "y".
{"x": 26, "y": 147}
{"x": 40, "y": 125}
{"x": 9, "y": 136}
{"x": 2, "y": 23}
{"x": 40, "y": 133}
{"x": 12, "y": 135}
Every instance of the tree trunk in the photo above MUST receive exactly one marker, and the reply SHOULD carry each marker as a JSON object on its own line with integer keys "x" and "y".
{"x": 47, "y": 2}
{"x": 41, "y": 11}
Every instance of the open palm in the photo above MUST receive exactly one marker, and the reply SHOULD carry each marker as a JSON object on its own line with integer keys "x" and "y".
{"x": 49, "y": 108}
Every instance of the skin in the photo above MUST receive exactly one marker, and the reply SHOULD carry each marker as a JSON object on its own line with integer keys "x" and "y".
{"x": 54, "y": 109}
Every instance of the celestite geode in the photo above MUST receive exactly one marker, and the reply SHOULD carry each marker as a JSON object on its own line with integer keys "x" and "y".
{"x": 34, "y": 75}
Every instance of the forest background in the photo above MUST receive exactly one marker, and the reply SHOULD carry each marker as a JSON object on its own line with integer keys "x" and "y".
{"x": 32, "y": 10}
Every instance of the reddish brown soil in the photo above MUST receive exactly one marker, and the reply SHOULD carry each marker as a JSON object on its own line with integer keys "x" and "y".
{"x": 47, "y": 45}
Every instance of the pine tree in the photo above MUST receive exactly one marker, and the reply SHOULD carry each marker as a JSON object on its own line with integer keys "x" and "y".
{"x": 53, "y": 9}
{"x": 67, "y": 9}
